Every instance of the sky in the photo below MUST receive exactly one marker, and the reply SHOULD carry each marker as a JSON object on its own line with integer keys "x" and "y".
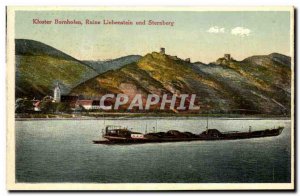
{"x": 201, "y": 36}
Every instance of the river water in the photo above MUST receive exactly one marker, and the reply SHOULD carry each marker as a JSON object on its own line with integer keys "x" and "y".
{"x": 63, "y": 151}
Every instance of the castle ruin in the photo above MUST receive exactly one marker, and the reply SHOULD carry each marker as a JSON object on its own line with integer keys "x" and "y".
{"x": 227, "y": 57}
{"x": 187, "y": 60}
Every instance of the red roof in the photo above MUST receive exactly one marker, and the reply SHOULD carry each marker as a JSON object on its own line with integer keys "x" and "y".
{"x": 84, "y": 102}
{"x": 37, "y": 103}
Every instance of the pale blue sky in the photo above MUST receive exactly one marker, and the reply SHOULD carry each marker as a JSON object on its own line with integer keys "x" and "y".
{"x": 188, "y": 38}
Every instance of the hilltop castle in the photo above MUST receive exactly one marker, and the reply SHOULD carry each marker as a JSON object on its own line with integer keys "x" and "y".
{"x": 227, "y": 57}
{"x": 224, "y": 60}
{"x": 163, "y": 51}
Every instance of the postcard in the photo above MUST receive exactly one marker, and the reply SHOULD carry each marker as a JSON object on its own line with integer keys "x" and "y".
{"x": 150, "y": 98}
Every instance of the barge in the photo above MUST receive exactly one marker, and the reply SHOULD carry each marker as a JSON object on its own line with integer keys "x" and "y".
{"x": 120, "y": 135}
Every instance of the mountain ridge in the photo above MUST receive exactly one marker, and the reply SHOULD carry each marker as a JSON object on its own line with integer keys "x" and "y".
{"x": 39, "y": 67}
{"x": 258, "y": 84}
{"x": 36, "y": 48}
{"x": 240, "y": 85}
{"x": 103, "y": 66}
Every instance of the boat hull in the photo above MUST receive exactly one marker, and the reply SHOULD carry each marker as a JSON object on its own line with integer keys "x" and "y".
{"x": 201, "y": 137}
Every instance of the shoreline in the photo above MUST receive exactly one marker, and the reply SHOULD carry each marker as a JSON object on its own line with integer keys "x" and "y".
{"x": 156, "y": 118}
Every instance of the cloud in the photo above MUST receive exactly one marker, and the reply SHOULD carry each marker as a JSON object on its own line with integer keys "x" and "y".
{"x": 240, "y": 31}
{"x": 216, "y": 29}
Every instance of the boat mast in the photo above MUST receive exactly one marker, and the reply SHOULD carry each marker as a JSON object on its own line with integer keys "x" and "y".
{"x": 146, "y": 128}
{"x": 103, "y": 130}
{"x": 207, "y": 120}
{"x": 103, "y": 120}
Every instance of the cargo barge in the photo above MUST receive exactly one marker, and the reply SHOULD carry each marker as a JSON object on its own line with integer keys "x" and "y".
{"x": 119, "y": 135}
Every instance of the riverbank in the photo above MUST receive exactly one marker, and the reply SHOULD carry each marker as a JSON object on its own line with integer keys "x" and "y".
{"x": 112, "y": 116}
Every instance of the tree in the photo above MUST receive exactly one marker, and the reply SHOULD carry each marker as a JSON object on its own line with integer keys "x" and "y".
{"x": 47, "y": 106}
{"x": 63, "y": 107}
{"x": 82, "y": 109}
{"x": 23, "y": 105}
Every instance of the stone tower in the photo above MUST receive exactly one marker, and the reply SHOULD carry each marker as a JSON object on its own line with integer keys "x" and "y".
{"x": 227, "y": 57}
{"x": 162, "y": 51}
{"x": 188, "y": 60}
{"x": 57, "y": 93}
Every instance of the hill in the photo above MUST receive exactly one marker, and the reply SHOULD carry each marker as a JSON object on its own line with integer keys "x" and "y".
{"x": 39, "y": 67}
{"x": 262, "y": 83}
{"x": 103, "y": 66}
{"x": 258, "y": 84}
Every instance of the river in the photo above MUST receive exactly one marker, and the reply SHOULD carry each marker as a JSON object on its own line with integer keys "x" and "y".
{"x": 63, "y": 151}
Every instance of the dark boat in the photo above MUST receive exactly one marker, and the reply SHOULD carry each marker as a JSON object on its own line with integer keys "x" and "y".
{"x": 119, "y": 135}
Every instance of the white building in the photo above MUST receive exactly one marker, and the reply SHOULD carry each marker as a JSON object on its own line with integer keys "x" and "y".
{"x": 57, "y": 94}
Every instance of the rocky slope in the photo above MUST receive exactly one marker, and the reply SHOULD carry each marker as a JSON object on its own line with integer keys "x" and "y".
{"x": 258, "y": 84}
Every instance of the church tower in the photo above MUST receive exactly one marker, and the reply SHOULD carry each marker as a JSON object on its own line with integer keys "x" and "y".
{"x": 57, "y": 93}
